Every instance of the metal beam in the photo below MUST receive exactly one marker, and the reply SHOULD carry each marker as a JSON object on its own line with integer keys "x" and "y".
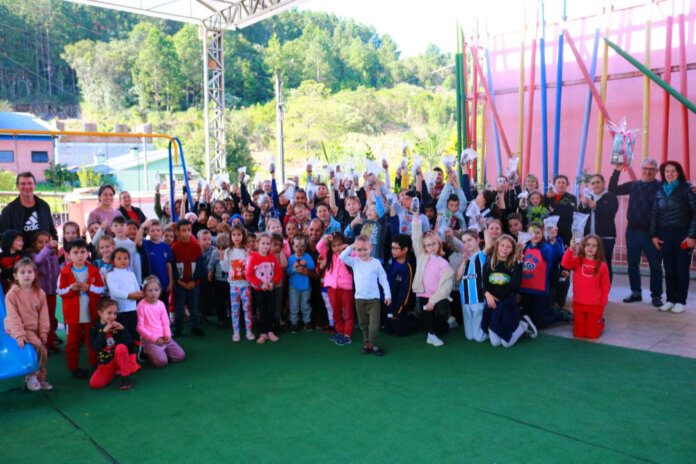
{"x": 214, "y": 96}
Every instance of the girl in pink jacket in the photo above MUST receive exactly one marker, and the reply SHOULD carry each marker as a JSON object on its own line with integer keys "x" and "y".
{"x": 153, "y": 326}
{"x": 339, "y": 280}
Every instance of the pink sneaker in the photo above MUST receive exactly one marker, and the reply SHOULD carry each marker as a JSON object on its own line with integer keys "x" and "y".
{"x": 236, "y": 337}
{"x": 262, "y": 339}
{"x": 272, "y": 337}
{"x": 46, "y": 386}
{"x": 250, "y": 336}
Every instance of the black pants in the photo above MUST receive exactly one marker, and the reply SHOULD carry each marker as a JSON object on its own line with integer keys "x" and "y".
{"x": 264, "y": 307}
{"x": 435, "y": 321}
{"x": 320, "y": 317}
{"x": 129, "y": 320}
{"x": 538, "y": 307}
{"x": 221, "y": 299}
{"x": 205, "y": 298}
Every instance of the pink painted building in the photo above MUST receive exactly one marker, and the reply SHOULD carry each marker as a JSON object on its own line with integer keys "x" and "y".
{"x": 21, "y": 153}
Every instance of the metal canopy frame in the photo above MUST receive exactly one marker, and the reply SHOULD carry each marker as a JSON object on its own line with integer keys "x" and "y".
{"x": 214, "y": 17}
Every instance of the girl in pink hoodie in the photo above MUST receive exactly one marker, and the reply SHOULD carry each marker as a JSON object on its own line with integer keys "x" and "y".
{"x": 339, "y": 280}
{"x": 153, "y": 327}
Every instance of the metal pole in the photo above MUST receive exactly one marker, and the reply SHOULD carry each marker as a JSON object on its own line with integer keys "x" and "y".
{"x": 279, "y": 123}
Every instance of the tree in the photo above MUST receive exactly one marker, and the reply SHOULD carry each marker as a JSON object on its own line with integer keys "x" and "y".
{"x": 189, "y": 50}
{"x": 7, "y": 181}
{"x": 155, "y": 71}
{"x": 88, "y": 177}
{"x": 59, "y": 176}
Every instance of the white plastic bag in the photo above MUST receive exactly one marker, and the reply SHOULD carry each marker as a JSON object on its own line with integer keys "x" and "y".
{"x": 579, "y": 223}
{"x": 448, "y": 162}
{"x": 524, "y": 237}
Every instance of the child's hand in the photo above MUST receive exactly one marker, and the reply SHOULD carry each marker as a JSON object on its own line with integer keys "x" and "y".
{"x": 53, "y": 244}
{"x": 135, "y": 295}
{"x": 21, "y": 342}
{"x": 160, "y": 341}
{"x": 387, "y": 301}
{"x": 210, "y": 276}
{"x": 43, "y": 339}
{"x": 166, "y": 339}
{"x": 429, "y": 307}
{"x": 169, "y": 287}
{"x": 108, "y": 327}
{"x": 490, "y": 300}
{"x": 117, "y": 325}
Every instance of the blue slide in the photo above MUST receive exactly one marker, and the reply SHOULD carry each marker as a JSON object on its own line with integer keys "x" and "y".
{"x": 14, "y": 361}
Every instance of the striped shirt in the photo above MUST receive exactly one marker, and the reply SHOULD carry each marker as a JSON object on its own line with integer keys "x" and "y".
{"x": 471, "y": 285}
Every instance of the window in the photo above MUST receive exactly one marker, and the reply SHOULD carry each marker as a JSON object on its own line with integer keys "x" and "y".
{"x": 6, "y": 156}
{"x": 39, "y": 157}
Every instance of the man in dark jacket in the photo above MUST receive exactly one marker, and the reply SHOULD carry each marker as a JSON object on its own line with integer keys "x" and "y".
{"x": 27, "y": 213}
{"x": 641, "y": 196}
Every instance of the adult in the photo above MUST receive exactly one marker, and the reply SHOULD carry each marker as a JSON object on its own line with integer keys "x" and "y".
{"x": 602, "y": 206}
{"x": 27, "y": 213}
{"x": 641, "y": 197}
{"x": 128, "y": 210}
{"x": 562, "y": 204}
{"x": 104, "y": 213}
{"x": 318, "y": 299}
{"x": 673, "y": 231}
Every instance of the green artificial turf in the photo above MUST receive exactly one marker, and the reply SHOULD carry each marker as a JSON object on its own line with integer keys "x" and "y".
{"x": 304, "y": 399}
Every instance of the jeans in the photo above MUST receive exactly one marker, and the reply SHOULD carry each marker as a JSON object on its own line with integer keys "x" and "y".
{"x": 638, "y": 242}
{"x": 299, "y": 301}
{"x": 181, "y": 297}
{"x": 677, "y": 262}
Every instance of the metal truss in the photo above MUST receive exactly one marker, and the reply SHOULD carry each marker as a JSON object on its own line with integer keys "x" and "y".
{"x": 214, "y": 91}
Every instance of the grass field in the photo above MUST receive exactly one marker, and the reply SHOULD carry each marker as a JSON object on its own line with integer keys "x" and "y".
{"x": 304, "y": 399}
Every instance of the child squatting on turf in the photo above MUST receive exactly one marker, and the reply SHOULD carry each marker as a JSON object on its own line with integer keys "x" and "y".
{"x": 27, "y": 318}
{"x": 111, "y": 341}
{"x": 369, "y": 275}
{"x": 153, "y": 327}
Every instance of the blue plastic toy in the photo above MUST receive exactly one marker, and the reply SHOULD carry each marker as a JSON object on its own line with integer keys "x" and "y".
{"x": 14, "y": 361}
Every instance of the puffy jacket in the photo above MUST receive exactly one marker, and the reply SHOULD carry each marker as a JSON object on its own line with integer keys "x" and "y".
{"x": 676, "y": 210}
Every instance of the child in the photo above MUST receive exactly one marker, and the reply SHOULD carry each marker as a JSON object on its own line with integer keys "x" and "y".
{"x": 205, "y": 287}
{"x": 299, "y": 264}
{"x": 120, "y": 229}
{"x": 339, "y": 281}
{"x": 153, "y": 327}
{"x": 400, "y": 317}
{"x": 12, "y": 246}
{"x": 470, "y": 278}
{"x": 112, "y": 341}
{"x": 44, "y": 254}
{"x": 186, "y": 253}
{"x": 218, "y": 276}
{"x": 28, "y": 318}
{"x": 502, "y": 275}
{"x": 236, "y": 257}
{"x": 264, "y": 273}
{"x": 275, "y": 227}
{"x": 590, "y": 285}
{"x": 71, "y": 231}
{"x": 432, "y": 283}
{"x": 277, "y": 244}
{"x": 161, "y": 257}
{"x": 534, "y": 211}
{"x": 80, "y": 285}
{"x": 169, "y": 234}
{"x": 539, "y": 259}
{"x": 125, "y": 290}
{"x": 369, "y": 275}
{"x": 106, "y": 246}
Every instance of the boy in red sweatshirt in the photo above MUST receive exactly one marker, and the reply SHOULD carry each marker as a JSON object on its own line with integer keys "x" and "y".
{"x": 591, "y": 285}
{"x": 264, "y": 272}
{"x": 80, "y": 285}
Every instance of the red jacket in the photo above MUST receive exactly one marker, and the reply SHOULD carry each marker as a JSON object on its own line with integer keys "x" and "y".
{"x": 71, "y": 299}
{"x": 263, "y": 269}
{"x": 589, "y": 288}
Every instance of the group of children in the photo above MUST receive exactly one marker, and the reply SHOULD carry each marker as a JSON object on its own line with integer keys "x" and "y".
{"x": 302, "y": 259}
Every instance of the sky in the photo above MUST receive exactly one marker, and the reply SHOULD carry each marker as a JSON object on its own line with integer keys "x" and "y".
{"x": 413, "y": 24}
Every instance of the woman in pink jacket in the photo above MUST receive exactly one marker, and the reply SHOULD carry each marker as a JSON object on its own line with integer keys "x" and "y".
{"x": 153, "y": 327}
{"x": 339, "y": 280}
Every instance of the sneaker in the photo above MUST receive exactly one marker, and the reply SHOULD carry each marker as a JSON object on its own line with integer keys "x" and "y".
{"x": 657, "y": 302}
{"x": 328, "y": 328}
{"x": 452, "y": 322}
{"x": 531, "y": 328}
{"x": 33, "y": 383}
{"x": 236, "y": 337}
{"x": 632, "y": 299}
{"x": 366, "y": 349}
{"x": 197, "y": 332}
{"x": 125, "y": 383}
{"x": 250, "y": 336}
{"x": 434, "y": 340}
{"x": 666, "y": 307}
{"x": 377, "y": 351}
{"x": 294, "y": 328}
{"x": 308, "y": 327}
{"x": 335, "y": 337}
{"x": 142, "y": 357}
{"x": 80, "y": 373}
{"x": 678, "y": 308}
{"x": 262, "y": 339}
{"x": 46, "y": 386}
{"x": 345, "y": 341}
{"x": 567, "y": 316}
{"x": 272, "y": 337}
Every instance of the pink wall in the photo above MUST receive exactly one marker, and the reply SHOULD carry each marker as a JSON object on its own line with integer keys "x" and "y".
{"x": 22, "y": 156}
{"x": 624, "y": 96}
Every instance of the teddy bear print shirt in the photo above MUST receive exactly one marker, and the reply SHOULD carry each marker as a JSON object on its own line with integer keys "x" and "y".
{"x": 263, "y": 269}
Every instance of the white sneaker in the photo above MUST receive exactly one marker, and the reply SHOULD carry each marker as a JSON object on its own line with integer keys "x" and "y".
{"x": 435, "y": 340}
{"x": 678, "y": 308}
{"x": 33, "y": 383}
{"x": 531, "y": 328}
{"x": 666, "y": 307}
{"x": 429, "y": 340}
{"x": 452, "y": 322}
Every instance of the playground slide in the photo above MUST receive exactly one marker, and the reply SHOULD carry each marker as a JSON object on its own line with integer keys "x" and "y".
{"x": 14, "y": 361}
